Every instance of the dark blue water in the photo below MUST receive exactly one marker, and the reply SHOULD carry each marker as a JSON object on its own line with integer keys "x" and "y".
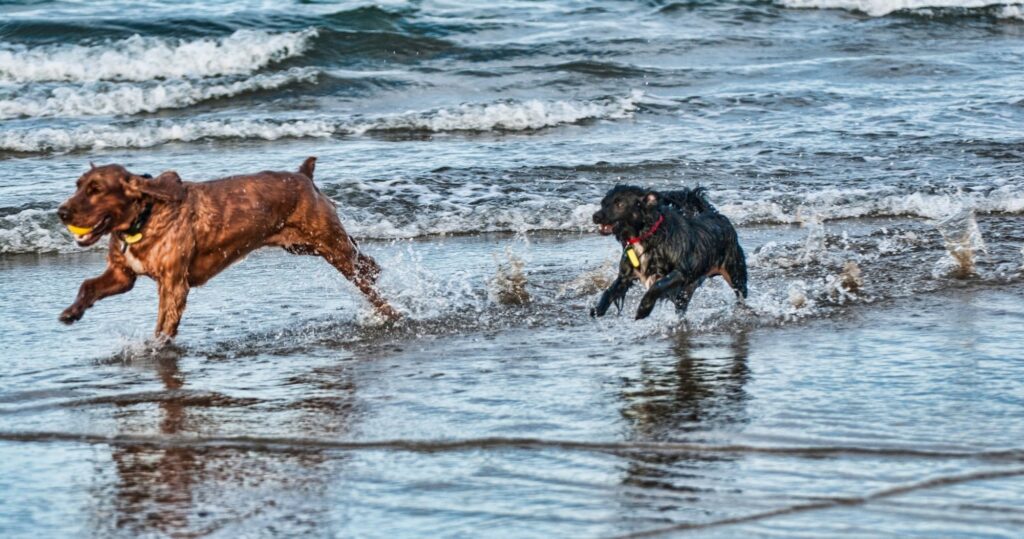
{"x": 869, "y": 154}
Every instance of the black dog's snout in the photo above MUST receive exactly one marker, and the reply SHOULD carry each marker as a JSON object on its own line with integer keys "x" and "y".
{"x": 598, "y": 217}
{"x": 64, "y": 213}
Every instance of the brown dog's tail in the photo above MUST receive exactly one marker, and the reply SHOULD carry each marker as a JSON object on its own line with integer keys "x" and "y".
{"x": 307, "y": 167}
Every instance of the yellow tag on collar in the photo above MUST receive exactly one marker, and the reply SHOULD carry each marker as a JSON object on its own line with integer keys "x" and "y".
{"x": 633, "y": 259}
{"x": 134, "y": 238}
{"x": 79, "y": 230}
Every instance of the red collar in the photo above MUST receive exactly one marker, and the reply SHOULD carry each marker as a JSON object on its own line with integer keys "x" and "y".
{"x": 648, "y": 234}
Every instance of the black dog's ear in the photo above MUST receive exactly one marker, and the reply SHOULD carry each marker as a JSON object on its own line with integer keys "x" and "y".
{"x": 651, "y": 199}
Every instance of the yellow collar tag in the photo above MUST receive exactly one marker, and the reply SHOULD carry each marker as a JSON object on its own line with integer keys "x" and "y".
{"x": 134, "y": 238}
{"x": 633, "y": 259}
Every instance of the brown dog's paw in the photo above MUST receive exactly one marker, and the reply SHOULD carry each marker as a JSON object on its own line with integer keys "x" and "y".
{"x": 71, "y": 315}
{"x": 390, "y": 314}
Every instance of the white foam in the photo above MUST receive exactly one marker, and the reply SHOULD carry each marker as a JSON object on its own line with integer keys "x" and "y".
{"x": 1011, "y": 12}
{"x": 139, "y": 58}
{"x": 832, "y": 204}
{"x": 106, "y": 98}
{"x": 879, "y": 8}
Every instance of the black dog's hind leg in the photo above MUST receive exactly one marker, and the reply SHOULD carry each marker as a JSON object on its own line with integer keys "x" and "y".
{"x": 657, "y": 290}
{"x": 682, "y": 300}
{"x": 616, "y": 293}
{"x": 736, "y": 266}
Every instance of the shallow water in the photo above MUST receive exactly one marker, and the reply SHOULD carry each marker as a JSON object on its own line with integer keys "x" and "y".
{"x": 871, "y": 385}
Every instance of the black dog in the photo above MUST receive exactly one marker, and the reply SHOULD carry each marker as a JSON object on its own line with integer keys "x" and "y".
{"x": 672, "y": 242}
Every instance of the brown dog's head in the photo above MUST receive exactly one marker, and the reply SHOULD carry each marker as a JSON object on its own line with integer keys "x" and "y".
{"x": 108, "y": 199}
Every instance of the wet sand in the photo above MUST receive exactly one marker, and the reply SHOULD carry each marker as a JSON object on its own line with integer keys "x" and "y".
{"x": 281, "y": 411}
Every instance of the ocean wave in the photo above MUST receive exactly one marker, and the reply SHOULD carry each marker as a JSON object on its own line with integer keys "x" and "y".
{"x": 419, "y": 208}
{"x": 109, "y": 98}
{"x": 34, "y": 231}
{"x": 510, "y": 209}
{"x": 880, "y": 8}
{"x": 147, "y": 134}
{"x": 139, "y": 58}
{"x": 505, "y": 116}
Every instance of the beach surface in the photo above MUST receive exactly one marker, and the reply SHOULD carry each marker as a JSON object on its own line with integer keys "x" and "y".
{"x": 869, "y": 153}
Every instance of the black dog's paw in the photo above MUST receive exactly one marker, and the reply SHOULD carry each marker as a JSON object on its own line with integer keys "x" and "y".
{"x": 645, "y": 310}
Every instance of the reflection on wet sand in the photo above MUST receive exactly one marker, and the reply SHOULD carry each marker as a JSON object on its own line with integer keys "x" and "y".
{"x": 698, "y": 388}
{"x": 186, "y": 491}
{"x": 155, "y": 485}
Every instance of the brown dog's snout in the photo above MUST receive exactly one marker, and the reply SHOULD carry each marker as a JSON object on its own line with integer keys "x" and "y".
{"x": 64, "y": 213}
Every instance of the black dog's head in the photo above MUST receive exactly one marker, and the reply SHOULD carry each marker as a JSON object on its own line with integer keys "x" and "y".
{"x": 626, "y": 211}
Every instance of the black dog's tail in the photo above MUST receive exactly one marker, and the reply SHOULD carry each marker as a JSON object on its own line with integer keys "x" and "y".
{"x": 690, "y": 201}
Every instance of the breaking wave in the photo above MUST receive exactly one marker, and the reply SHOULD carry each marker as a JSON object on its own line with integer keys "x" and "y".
{"x": 880, "y": 8}
{"x": 106, "y": 98}
{"x": 504, "y": 116}
{"x": 508, "y": 116}
{"x": 139, "y": 58}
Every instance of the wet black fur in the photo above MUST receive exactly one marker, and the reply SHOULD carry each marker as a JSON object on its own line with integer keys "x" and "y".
{"x": 693, "y": 239}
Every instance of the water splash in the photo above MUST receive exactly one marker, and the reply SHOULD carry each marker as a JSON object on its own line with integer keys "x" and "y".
{"x": 963, "y": 241}
{"x": 508, "y": 287}
{"x": 589, "y": 282}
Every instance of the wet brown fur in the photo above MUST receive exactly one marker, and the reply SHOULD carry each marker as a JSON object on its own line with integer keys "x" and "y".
{"x": 197, "y": 229}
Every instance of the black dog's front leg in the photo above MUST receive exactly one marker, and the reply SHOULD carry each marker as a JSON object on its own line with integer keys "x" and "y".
{"x": 616, "y": 293}
{"x": 657, "y": 290}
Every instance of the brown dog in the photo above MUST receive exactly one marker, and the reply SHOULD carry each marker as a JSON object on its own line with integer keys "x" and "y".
{"x": 181, "y": 234}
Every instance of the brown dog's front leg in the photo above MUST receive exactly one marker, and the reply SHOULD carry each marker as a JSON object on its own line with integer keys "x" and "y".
{"x": 115, "y": 280}
{"x": 173, "y": 296}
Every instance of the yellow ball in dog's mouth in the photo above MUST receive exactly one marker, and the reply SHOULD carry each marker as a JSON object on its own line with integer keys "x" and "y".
{"x": 78, "y": 230}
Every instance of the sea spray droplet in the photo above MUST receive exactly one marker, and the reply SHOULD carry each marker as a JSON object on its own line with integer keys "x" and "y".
{"x": 798, "y": 295}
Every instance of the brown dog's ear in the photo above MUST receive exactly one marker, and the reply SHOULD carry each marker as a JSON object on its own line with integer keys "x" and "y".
{"x": 651, "y": 199}
{"x": 166, "y": 187}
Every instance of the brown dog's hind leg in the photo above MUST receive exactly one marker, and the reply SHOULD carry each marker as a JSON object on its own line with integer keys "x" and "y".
{"x": 358, "y": 268}
{"x": 320, "y": 232}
